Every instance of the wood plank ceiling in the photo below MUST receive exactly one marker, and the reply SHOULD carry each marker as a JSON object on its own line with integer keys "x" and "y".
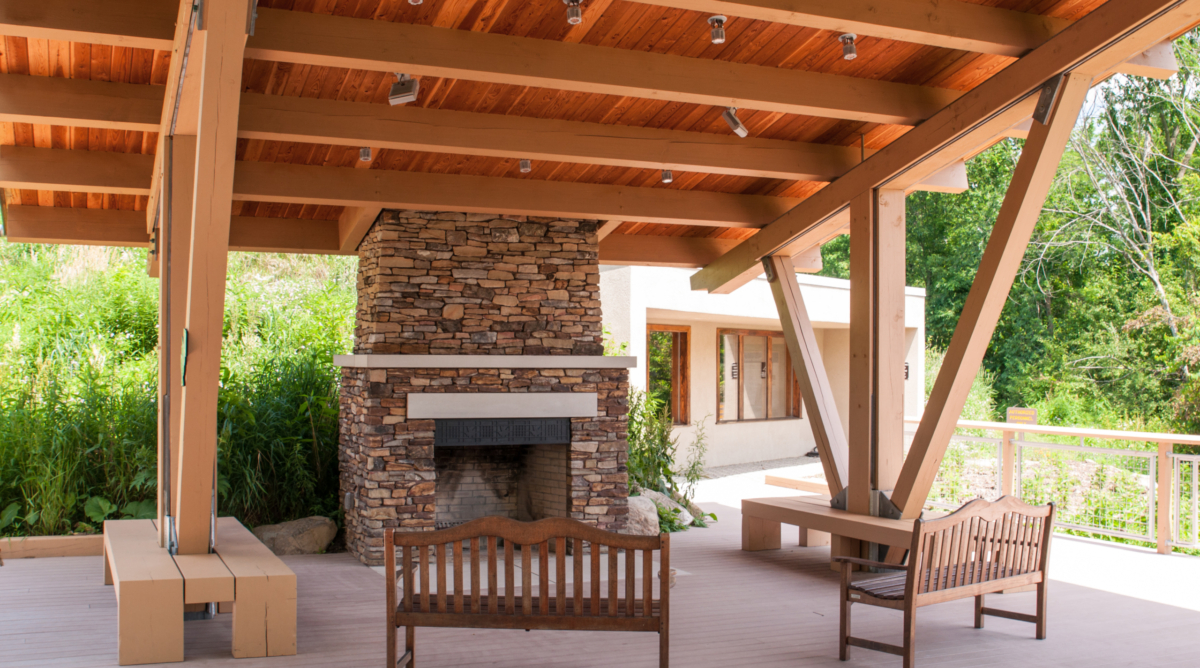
{"x": 613, "y": 24}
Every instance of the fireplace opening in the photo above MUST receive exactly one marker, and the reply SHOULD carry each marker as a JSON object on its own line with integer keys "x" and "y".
{"x": 523, "y": 482}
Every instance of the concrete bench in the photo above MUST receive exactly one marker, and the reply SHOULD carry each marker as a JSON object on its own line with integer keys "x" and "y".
{"x": 264, "y": 593}
{"x": 149, "y": 589}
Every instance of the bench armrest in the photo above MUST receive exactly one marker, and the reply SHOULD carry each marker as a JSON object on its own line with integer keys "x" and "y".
{"x": 873, "y": 564}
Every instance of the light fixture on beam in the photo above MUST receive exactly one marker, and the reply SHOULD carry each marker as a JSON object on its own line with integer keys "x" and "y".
{"x": 849, "y": 51}
{"x": 364, "y": 154}
{"x": 574, "y": 12}
{"x": 735, "y": 123}
{"x": 718, "y": 28}
{"x": 404, "y": 90}
{"x": 667, "y": 176}
{"x": 415, "y": 2}
{"x": 526, "y": 166}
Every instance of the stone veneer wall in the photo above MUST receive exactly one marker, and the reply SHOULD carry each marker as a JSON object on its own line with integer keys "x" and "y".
{"x": 450, "y": 283}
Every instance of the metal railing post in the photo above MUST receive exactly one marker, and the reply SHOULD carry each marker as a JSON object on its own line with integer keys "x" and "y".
{"x": 1007, "y": 463}
{"x": 1163, "y": 527}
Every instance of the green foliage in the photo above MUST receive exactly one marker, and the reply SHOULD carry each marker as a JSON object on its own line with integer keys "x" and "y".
{"x": 78, "y": 386}
{"x": 611, "y": 347}
{"x": 652, "y": 445}
{"x": 659, "y": 346}
{"x": 668, "y": 519}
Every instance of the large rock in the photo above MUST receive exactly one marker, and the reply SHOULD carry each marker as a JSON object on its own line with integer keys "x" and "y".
{"x": 310, "y": 535}
{"x": 665, "y": 501}
{"x": 642, "y": 519}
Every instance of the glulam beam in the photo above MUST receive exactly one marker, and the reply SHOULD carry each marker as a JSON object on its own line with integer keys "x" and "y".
{"x": 29, "y": 168}
{"x": 142, "y": 24}
{"x": 384, "y": 46}
{"x": 79, "y": 103}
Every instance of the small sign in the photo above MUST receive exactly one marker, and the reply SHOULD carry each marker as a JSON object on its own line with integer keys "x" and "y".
{"x": 735, "y": 371}
{"x": 764, "y": 371}
{"x": 906, "y": 371}
{"x": 1020, "y": 415}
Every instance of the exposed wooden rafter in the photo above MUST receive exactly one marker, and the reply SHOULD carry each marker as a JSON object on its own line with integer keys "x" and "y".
{"x": 1135, "y": 24}
{"x": 144, "y": 24}
{"x": 383, "y": 46}
{"x": 75, "y": 171}
{"x": 80, "y": 103}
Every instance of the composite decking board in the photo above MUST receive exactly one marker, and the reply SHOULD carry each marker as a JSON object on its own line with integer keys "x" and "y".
{"x": 769, "y": 609}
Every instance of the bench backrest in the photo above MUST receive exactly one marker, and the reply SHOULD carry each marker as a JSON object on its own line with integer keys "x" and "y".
{"x": 468, "y": 558}
{"x": 979, "y": 543}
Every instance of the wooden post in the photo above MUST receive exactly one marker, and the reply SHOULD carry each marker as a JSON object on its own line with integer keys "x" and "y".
{"x": 810, "y": 372}
{"x": 862, "y": 351}
{"x": 224, "y": 42}
{"x": 998, "y": 269}
{"x": 1166, "y": 484}
{"x": 1008, "y": 463}
{"x": 174, "y": 256}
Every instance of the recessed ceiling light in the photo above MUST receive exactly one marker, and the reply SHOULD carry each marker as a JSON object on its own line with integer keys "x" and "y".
{"x": 718, "y": 28}
{"x": 415, "y": 2}
{"x": 849, "y": 51}
{"x": 364, "y": 154}
{"x": 667, "y": 176}
{"x": 404, "y": 90}
{"x": 735, "y": 123}
{"x": 574, "y": 12}
{"x": 526, "y": 166}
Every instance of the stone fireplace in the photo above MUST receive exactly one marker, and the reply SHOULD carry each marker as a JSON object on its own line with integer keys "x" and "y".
{"x": 478, "y": 384}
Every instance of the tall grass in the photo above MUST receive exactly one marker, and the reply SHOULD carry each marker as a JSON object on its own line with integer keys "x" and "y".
{"x": 78, "y": 385}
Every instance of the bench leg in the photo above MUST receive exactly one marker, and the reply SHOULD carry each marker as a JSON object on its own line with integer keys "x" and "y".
{"x": 264, "y": 617}
{"x": 844, "y": 626}
{"x": 150, "y": 622}
{"x": 979, "y": 611}
{"x": 811, "y": 538}
{"x": 759, "y": 534}
{"x": 910, "y": 635}
{"x": 1041, "y": 610}
{"x": 410, "y": 645}
{"x": 664, "y": 648}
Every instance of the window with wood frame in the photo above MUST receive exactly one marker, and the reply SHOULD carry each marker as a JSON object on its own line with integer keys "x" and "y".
{"x": 667, "y": 376}
{"x": 755, "y": 380}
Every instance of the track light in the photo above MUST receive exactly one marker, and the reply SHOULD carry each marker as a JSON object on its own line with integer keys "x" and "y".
{"x": 574, "y": 12}
{"x": 364, "y": 154}
{"x": 735, "y": 123}
{"x": 415, "y": 2}
{"x": 849, "y": 51}
{"x": 526, "y": 166}
{"x": 667, "y": 176}
{"x": 718, "y": 28}
{"x": 404, "y": 90}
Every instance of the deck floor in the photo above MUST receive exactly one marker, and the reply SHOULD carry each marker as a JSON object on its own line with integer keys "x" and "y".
{"x": 733, "y": 608}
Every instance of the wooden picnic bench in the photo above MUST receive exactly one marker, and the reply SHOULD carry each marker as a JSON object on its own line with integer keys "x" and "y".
{"x": 982, "y": 548}
{"x": 469, "y": 557}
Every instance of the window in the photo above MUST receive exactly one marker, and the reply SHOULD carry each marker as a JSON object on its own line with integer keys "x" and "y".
{"x": 667, "y": 368}
{"x": 755, "y": 380}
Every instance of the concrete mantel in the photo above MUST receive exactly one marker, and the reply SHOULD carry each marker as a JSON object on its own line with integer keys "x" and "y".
{"x": 459, "y": 405}
{"x": 484, "y": 362}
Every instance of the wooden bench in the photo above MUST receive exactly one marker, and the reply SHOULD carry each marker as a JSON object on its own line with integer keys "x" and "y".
{"x": 982, "y": 548}
{"x": 149, "y": 591}
{"x": 468, "y": 556}
{"x": 761, "y": 520}
{"x": 264, "y": 593}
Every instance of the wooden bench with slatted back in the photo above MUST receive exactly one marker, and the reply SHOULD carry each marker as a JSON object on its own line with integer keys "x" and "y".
{"x": 472, "y": 556}
{"x": 982, "y": 548}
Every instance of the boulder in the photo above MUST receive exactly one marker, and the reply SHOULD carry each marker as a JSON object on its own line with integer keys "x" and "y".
{"x": 310, "y": 535}
{"x": 642, "y": 519}
{"x": 667, "y": 502}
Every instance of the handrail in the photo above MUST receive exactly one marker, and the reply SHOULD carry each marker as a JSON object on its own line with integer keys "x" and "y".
{"x": 1152, "y": 437}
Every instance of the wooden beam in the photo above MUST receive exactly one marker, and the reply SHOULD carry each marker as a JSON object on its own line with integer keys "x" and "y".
{"x": 79, "y": 103}
{"x": 651, "y": 251}
{"x": 887, "y": 373}
{"x": 30, "y": 168}
{"x": 142, "y": 24}
{"x": 60, "y": 225}
{"x": 1157, "y": 62}
{"x": 285, "y": 235}
{"x": 862, "y": 351}
{"x": 1136, "y": 24}
{"x": 810, "y": 373}
{"x": 606, "y": 229}
{"x": 224, "y": 38}
{"x": 948, "y": 24}
{"x": 952, "y": 180}
{"x": 339, "y": 186}
{"x": 297, "y": 119}
{"x": 356, "y": 221}
{"x": 998, "y": 269}
{"x": 316, "y": 39}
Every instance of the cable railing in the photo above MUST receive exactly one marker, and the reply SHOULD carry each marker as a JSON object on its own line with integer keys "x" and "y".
{"x": 1144, "y": 492}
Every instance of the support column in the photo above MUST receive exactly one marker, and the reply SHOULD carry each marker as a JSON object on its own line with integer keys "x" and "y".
{"x": 224, "y": 42}
{"x": 175, "y": 240}
{"x": 862, "y": 352}
{"x": 997, "y": 270}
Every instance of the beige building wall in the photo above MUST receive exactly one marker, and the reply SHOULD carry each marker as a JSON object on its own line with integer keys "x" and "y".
{"x": 633, "y": 297}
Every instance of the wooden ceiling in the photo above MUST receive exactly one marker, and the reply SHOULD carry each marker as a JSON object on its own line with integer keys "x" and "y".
{"x": 928, "y": 72}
